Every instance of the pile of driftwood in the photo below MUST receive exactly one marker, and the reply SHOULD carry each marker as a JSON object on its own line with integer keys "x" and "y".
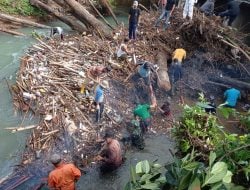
{"x": 52, "y": 72}
{"x": 206, "y": 34}
{"x": 48, "y": 84}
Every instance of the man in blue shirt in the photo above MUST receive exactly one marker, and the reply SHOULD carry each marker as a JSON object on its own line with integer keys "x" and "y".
{"x": 99, "y": 99}
{"x": 231, "y": 95}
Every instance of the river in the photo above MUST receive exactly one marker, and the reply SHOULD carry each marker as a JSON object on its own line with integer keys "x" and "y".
{"x": 11, "y": 50}
{"x": 11, "y": 144}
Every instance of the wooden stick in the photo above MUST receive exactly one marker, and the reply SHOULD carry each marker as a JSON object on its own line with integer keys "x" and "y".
{"x": 15, "y": 129}
{"x": 11, "y": 32}
{"x": 237, "y": 47}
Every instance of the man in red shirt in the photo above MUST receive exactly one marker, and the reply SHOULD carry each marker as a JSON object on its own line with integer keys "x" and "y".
{"x": 64, "y": 176}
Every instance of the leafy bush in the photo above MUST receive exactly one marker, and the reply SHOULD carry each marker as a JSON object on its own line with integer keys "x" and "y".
{"x": 21, "y": 7}
{"x": 201, "y": 131}
{"x": 182, "y": 174}
{"x": 186, "y": 173}
{"x": 146, "y": 176}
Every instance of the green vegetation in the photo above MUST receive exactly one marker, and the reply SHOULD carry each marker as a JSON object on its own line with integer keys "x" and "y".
{"x": 214, "y": 158}
{"x": 146, "y": 176}
{"x": 20, "y": 7}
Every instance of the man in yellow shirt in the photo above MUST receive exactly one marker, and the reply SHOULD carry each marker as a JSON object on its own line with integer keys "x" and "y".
{"x": 176, "y": 69}
{"x": 179, "y": 54}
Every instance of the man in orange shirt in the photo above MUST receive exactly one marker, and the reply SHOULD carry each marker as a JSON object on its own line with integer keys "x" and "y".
{"x": 64, "y": 176}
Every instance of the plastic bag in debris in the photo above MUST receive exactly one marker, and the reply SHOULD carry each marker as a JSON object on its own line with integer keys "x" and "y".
{"x": 29, "y": 95}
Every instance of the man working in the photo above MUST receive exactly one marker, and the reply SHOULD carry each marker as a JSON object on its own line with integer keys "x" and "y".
{"x": 232, "y": 12}
{"x": 134, "y": 20}
{"x": 64, "y": 176}
{"x": 175, "y": 69}
{"x": 188, "y": 9}
{"x": 208, "y": 8}
{"x": 56, "y": 30}
{"x": 143, "y": 112}
{"x": 123, "y": 51}
{"x": 99, "y": 99}
{"x": 96, "y": 71}
{"x": 231, "y": 95}
{"x": 167, "y": 14}
{"x": 111, "y": 155}
{"x": 136, "y": 134}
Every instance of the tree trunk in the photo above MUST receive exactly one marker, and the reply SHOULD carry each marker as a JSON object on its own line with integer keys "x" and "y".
{"x": 21, "y": 21}
{"x": 163, "y": 78}
{"x": 11, "y": 32}
{"x": 96, "y": 10}
{"x": 85, "y": 16}
{"x": 232, "y": 82}
{"x": 106, "y": 5}
{"x": 72, "y": 23}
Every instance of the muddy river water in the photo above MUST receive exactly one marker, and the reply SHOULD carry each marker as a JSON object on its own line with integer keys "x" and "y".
{"x": 12, "y": 144}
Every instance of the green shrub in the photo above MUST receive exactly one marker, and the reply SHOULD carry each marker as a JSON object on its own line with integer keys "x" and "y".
{"x": 20, "y": 7}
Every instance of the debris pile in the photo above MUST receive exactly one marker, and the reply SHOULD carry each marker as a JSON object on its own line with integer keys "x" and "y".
{"x": 52, "y": 72}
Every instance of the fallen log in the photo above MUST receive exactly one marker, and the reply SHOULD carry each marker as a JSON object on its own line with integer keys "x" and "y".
{"x": 84, "y": 16}
{"x": 22, "y": 21}
{"x": 96, "y": 10}
{"x": 69, "y": 21}
{"x": 12, "y": 32}
{"x": 162, "y": 78}
{"x": 232, "y": 82}
{"x": 106, "y": 5}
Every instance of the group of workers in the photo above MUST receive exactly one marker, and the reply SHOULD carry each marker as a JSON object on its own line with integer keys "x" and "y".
{"x": 167, "y": 7}
{"x": 64, "y": 175}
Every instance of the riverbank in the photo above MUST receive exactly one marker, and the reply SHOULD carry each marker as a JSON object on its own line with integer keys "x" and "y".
{"x": 61, "y": 77}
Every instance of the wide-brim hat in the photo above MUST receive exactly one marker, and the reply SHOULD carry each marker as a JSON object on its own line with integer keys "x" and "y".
{"x": 104, "y": 84}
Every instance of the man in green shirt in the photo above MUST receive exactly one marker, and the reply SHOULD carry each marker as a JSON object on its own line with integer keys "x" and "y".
{"x": 143, "y": 112}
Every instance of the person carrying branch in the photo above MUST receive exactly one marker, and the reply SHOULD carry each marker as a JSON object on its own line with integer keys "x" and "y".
{"x": 111, "y": 154}
{"x": 143, "y": 112}
{"x": 64, "y": 176}
{"x": 99, "y": 99}
{"x": 134, "y": 20}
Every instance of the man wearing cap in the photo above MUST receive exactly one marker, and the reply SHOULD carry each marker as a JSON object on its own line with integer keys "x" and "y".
{"x": 64, "y": 176}
{"x": 111, "y": 155}
{"x": 99, "y": 99}
{"x": 134, "y": 19}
